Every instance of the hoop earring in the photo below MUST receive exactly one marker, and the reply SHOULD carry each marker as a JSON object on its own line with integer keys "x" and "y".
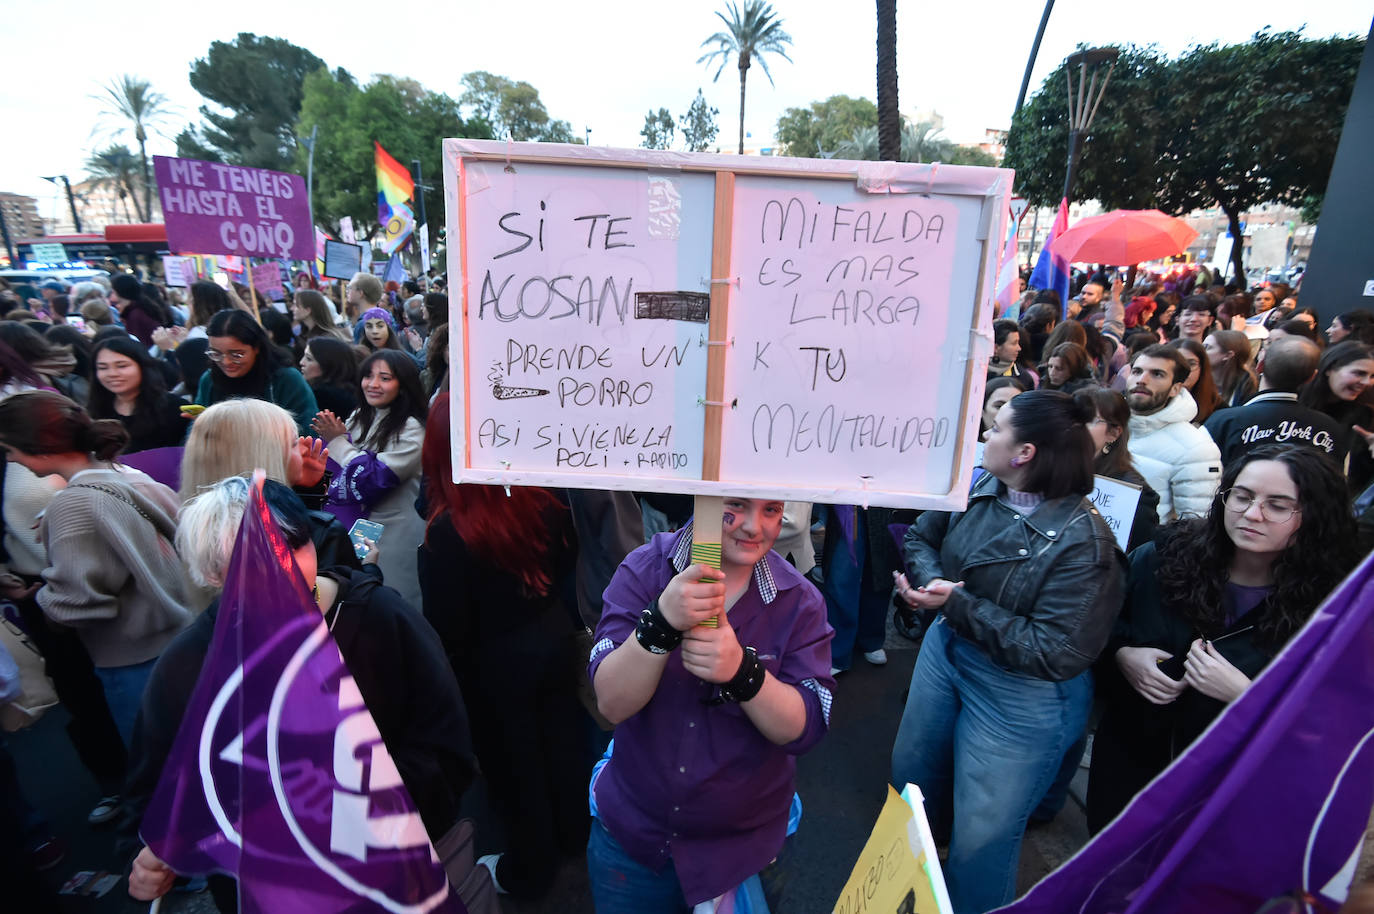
{"x": 1107, "y": 448}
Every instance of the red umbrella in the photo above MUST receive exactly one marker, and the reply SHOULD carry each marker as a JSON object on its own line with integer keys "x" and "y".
{"x": 1124, "y": 237}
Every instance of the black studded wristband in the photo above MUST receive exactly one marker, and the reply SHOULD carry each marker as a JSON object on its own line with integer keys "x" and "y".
{"x": 747, "y": 681}
{"x": 653, "y": 632}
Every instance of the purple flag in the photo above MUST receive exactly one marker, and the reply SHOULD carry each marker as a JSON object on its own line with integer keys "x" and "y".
{"x": 1051, "y": 270}
{"x": 278, "y": 775}
{"x": 1272, "y": 800}
{"x": 212, "y": 208}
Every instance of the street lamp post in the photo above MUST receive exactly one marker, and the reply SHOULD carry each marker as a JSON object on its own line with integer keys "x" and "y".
{"x": 589, "y": 137}
{"x": 1083, "y": 103}
{"x": 71, "y": 199}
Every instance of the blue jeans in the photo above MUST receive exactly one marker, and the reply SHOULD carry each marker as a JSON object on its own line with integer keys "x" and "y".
{"x": 983, "y": 744}
{"x": 856, "y": 611}
{"x": 124, "y": 687}
{"x": 622, "y": 886}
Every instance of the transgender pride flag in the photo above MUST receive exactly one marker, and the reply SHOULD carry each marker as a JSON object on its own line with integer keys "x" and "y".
{"x": 394, "y": 191}
{"x": 278, "y": 775}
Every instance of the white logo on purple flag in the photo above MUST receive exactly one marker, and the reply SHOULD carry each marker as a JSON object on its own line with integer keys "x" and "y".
{"x": 279, "y": 775}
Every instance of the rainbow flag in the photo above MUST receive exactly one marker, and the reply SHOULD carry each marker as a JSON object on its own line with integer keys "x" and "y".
{"x": 394, "y": 191}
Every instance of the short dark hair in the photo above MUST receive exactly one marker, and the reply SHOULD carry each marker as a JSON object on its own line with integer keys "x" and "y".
{"x": 1168, "y": 353}
{"x": 1198, "y": 303}
{"x": 1296, "y": 328}
{"x": 1289, "y": 363}
{"x": 1057, "y": 425}
{"x": 1003, "y": 329}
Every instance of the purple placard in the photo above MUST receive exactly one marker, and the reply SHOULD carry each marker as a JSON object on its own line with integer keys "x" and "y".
{"x": 228, "y": 209}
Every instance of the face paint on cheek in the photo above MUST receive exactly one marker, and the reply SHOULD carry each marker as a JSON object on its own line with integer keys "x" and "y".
{"x": 728, "y": 518}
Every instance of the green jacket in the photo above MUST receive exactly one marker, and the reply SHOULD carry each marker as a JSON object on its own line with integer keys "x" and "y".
{"x": 287, "y": 388}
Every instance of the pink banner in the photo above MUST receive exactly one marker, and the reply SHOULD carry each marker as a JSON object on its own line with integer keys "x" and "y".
{"x": 267, "y": 280}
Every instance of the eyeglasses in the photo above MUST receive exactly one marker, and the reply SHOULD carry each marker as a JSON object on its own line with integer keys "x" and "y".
{"x": 1277, "y": 510}
{"x": 233, "y": 358}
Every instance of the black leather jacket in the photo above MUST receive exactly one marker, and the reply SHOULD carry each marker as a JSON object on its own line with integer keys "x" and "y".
{"x": 1041, "y": 592}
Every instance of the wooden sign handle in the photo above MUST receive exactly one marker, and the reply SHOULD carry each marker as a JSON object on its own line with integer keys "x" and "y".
{"x": 707, "y": 511}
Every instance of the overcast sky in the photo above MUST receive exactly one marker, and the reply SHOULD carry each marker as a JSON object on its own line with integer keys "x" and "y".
{"x": 600, "y": 64}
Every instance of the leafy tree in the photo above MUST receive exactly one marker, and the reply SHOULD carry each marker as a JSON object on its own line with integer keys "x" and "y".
{"x": 699, "y": 125}
{"x": 818, "y": 131}
{"x": 133, "y": 105}
{"x": 968, "y": 155}
{"x": 889, "y": 120}
{"x": 658, "y": 130}
{"x": 1232, "y": 126}
{"x": 1118, "y": 165}
{"x": 260, "y": 83}
{"x": 1258, "y": 122}
{"x": 410, "y": 121}
{"x": 117, "y": 167}
{"x": 512, "y": 107}
{"x": 758, "y": 31}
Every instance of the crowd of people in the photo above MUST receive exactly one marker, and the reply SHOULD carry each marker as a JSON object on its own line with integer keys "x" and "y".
{"x": 508, "y": 636}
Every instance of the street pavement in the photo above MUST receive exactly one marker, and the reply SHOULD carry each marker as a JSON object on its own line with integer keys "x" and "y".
{"x": 842, "y": 785}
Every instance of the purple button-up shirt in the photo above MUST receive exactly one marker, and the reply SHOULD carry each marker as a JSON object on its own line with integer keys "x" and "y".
{"x": 695, "y": 781}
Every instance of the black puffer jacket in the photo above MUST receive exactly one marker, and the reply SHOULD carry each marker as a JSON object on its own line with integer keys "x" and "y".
{"x": 1041, "y": 591}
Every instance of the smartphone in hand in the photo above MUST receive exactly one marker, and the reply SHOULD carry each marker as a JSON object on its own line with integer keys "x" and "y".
{"x": 361, "y": 530}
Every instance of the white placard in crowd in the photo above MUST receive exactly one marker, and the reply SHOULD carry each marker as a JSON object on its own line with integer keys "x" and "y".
{"x": 1116, "y": 502}
{"x": 853, "y": 360}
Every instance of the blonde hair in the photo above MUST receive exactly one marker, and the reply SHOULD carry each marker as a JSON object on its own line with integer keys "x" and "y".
{"x": 231, "y": 439}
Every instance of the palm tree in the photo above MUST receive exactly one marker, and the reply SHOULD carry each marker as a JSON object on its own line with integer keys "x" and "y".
{"x": 862, "y": 145}
{"x": 117, "y": 167}
{"x": 751, "y": 35}
{"x": 132, "y": 102}
{"x": 921, "y": 142}
{"x": 889, "y": 121}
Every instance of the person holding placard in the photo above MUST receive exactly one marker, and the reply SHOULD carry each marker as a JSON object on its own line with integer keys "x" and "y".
{"x": 1028, "y": 580}
{"x": 696, "y": 796}
{"x": 1111, "y": 434}
{"x": 1209, "y": 604}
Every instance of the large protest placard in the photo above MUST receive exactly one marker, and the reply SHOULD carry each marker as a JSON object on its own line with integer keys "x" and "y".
{"x": 231, "y": 209}
{"x": 701, "y": 324}
{"x": 341, "y": 259}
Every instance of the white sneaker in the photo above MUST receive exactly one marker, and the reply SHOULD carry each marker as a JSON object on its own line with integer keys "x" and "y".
{"x": 490, "y": 861}
{"x": 104, "y": 811}
{"x": 877, "y": 658}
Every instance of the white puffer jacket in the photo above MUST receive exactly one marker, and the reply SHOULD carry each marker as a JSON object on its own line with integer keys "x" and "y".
{"x": 1179, "y": 460}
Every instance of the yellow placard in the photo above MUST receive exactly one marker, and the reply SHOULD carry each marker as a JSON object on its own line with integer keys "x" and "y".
{"x": 898, "y": 870}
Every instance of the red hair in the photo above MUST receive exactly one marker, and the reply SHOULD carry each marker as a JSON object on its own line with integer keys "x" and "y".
{"x": 516, "y": 533}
